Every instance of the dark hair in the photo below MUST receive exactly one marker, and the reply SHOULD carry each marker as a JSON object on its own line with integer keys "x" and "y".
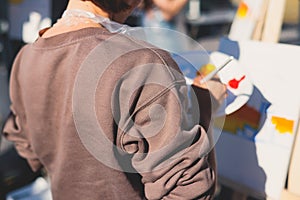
{"x": 112, "y": 6}
{"x": 147, "y": 4}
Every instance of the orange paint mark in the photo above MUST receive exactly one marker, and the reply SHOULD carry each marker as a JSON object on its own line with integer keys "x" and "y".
{"x": 283, "y": 125}
{"x": 233, "y": 83}
{"x": 242, "y": 10}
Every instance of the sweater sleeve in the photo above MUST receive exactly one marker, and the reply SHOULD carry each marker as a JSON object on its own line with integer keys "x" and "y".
{"x": 14, "y": 127}
{"x": 172, "y": 155}
{"x": 13, "y": 132}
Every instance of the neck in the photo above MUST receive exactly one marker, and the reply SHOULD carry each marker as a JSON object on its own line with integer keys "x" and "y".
{"x": 60, "y": 26}
{"x": 87, "y": 6}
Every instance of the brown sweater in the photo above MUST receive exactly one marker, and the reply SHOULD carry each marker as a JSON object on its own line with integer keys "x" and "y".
{"x": 106, "y": 116}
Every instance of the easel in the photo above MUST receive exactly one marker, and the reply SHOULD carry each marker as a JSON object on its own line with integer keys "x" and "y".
{"x": 292, "y": 191}
{"x": 268, "y": 29}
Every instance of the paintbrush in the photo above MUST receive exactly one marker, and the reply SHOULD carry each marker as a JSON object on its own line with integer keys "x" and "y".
{"x": 190, "y": 81}
{"x": 213, "y": 73}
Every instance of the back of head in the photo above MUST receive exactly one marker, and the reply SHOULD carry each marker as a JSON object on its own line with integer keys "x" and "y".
{"x": 112, "y": 6}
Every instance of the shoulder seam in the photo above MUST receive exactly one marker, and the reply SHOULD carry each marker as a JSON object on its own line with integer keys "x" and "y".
{"x": 156, "y": 53}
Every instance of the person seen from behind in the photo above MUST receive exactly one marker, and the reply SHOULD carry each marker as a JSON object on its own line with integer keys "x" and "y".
{"x": 106, "y": 114}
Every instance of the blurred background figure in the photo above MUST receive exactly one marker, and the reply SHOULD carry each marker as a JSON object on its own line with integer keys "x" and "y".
{"x": 164, "y": 14}
{"x": 164, "y": 18}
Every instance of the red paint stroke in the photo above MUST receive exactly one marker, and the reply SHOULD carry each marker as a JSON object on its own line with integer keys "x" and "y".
{"x": 235, "y": 83}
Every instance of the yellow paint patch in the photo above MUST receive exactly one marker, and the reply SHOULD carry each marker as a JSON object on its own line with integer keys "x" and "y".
{"x": 242, "y": 10}
{"x": 283, "y": 125}
{"x": 206, "y": 69}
